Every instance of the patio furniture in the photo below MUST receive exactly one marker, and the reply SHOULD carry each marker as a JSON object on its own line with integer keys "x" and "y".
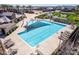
{"x": 72, "y": 26}
{"x": 12, "y": 51}
{"x": 64, "y": 35}
{"x": 39, "y": 52}
{"x": 8, "y": 43}
{"x": 25, "y": 26}
{"x": 2, "y": 48}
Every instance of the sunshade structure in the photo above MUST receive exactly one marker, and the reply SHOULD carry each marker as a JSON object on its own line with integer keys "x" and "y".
{"x": 7, "y": 27}
{"x": 7, "y": 13}
{"x": 4, "y": 19}
{"x": 17, "y": 15}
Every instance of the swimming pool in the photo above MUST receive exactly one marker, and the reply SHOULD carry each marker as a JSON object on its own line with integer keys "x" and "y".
{"x": 39, "y": 31}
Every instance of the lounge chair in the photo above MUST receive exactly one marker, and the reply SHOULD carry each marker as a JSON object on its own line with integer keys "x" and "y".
{"x": 65, "y": 35}
{"x": 39, "y": 52}
{"x": 12, "y": 51}
{"x": 26, "y": 26}
{"x": 8, "y": 43}
{"x": 72, "y": 26}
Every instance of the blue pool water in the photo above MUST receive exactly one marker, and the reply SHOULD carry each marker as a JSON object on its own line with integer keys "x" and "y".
{"x": 39, "y": 31}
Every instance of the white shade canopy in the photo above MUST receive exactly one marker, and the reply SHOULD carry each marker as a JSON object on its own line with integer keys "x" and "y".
{"x": 4, "y": 19}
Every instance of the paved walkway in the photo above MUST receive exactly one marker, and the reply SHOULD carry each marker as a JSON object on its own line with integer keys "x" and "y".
{"x": 47, "y": 47}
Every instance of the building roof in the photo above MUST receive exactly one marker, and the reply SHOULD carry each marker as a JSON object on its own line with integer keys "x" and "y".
{"x": 7, "y": 13}
{"x": 7, "y": 26}
{"x": 4, "y": 19}
{"x": 18, "y": 15}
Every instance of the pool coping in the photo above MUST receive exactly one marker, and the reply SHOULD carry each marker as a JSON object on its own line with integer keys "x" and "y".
{"x": 44, "y": 39}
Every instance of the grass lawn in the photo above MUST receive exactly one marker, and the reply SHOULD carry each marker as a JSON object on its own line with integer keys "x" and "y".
{"x": 71, "y": 17}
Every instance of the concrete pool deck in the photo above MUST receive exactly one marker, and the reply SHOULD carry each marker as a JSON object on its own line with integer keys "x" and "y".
{"x": 47, "y": 47}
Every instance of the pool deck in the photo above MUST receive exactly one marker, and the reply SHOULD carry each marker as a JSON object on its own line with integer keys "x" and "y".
{"x": 47, "y": 47}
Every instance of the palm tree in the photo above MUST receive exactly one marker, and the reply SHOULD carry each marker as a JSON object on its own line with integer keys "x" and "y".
{"x": 24, "y": 7}
{"x": 77, "y": 9}
{"x": 11, "y": 6}
{"x": 30, "y": 8}
{"x": 50, "y": 16}
{"x": 4, "y": 6}
{"x": 18, "y": 7}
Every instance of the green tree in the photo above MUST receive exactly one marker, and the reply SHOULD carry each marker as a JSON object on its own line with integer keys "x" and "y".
{"x": 57, "y": 14}
{"x": 77, "y": 10}
{"x": 6, "y": 6}
{"x": 24, "y": 7}
{"x": 17, "y": 6}
{"x": 71, "y": 18}
{"x": 30, "y": 8}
